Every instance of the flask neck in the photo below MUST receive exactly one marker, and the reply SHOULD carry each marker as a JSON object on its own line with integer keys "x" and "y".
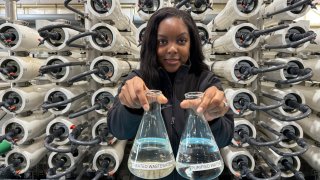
{"x": 155, "y": 107}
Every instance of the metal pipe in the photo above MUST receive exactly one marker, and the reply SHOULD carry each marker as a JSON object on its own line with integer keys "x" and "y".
{"x": 11, "y": 10}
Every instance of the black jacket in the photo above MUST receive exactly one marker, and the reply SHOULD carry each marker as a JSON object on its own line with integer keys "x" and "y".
{"x": 123, "y": 122}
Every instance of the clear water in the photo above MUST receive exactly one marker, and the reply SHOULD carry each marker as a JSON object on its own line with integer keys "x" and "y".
{"x": 199, "y": 158}
{"x": 151, "y": 158}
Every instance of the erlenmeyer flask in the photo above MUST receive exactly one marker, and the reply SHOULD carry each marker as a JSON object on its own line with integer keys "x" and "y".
{"x": 151, "y": 156}
{"x": 198, "y": 154}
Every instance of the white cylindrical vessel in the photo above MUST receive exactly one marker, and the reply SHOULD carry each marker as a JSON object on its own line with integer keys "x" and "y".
{"x": 287, "y": 15}
{"x": 235, "y": 95}
{"x": 140, "y": 33}
{"x": 285, "y": 94}
{"x": 69, "y": 159}
{"x": 312, "y": 155}
{"x": 234, "y": 11}
{"x": 282, "y": 74}
{"x": 241, "y": 123}
{"x": 65, "y": 123}
{"x": 112, "y": 13}
{"x": 25, "y": 68}
{"x": 205, "y": 36}
{"x": 98, "y": 127}
{"x": 311, "y": 95}
{"x": 64, "y": 73}
{"x": 29, "y": 155}
{"x": 114, "y": 153}
{"x": 65, "y": 34}
{"x": 30, "y": 126}
{"x": 64, "y": 93}
{"x": 24, "y": 98}
{"x": 114, "y": 41}
{"x": 281, "y": 126}
{"x": 230, "y": 69}
{"x": 24, "y": 38}
{"x": 229, "y": 42}
{"x": 280, "y": 37}
{"x": 277, "y": 159}
{"x": 146, "y": 12}
{"x": 106, "y": 94}
{"x": 311, "y": 126}
{"x": 114, "y": 68}
{"x": 232, "y": 156}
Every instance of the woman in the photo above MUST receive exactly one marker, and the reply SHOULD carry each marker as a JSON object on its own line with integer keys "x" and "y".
{"x": 171, "y": 61}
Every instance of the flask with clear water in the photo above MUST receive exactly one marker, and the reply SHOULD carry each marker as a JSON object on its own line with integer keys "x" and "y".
{"x": 198, "y": 154}
{"x": 151, "y": 156}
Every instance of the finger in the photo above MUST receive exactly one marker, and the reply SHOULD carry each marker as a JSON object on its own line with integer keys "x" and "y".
{"x": 162, "y": 99}
{"x": 140, "y": 91}
{"x": 128, "y": 99}
{"x": 132, "y": 94}
{"x": 206, "y": 100}
{"x": 185, "y": 104}
{"x": 123, "y": 100}
{"x": 217, "y": 99}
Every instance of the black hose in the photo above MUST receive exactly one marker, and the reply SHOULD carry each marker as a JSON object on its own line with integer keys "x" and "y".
{"x": 255, "y": 70}
{"x": 94, "y": 141}
{"x": 304, "y": 147}
{"x": 8, "y": 136}
{"x": 267, "y": 160}
{"x": 257, "y": 33}
{"x": 76, "y": 132}
{"x": 85, "y": 111}
{"x": 99, "y": 175}
{"x": 253, "y": 106}
{"x": 66, "y": 4}
{"x": 288, "y": 8}
{"x": 67, "y": 101}
{"x": 306, "y": 111}
{"x": 50, "y": 27}
{"x": 81, "y": 75}
{"x": 47, "y": 68}
{"x": 181, "y": 3}
{"x": 252, "y": 141}
{"x": 78, "y": 36}
{"x": 57, "y": 176}
{"x": 289, "y": 166}
{"x": 292, "y": 44}
{"x": 305, "y": 75}
{"x": 48, "y": 140}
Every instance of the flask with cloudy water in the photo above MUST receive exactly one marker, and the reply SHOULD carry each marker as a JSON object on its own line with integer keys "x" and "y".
{"x": 151, "y": 156}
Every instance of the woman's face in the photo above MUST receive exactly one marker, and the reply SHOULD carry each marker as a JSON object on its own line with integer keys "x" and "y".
{"x": 173, "y": 43}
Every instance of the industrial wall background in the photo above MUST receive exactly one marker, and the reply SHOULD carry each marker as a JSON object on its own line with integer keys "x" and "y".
{"x": 61, "y": 63}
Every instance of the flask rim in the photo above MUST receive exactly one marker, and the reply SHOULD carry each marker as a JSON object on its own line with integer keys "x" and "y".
{"x": 153, "y": 92}
{"x": 193, "y": 95}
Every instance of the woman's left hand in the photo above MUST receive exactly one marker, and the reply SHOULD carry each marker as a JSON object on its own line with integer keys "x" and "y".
{"x": 212, "y": 104}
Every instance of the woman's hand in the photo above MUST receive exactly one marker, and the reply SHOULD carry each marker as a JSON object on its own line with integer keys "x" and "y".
{"x": 212, "y": 104}
{"x": 133, "y": 94}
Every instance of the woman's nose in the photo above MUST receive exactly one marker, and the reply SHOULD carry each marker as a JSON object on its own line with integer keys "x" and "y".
{"x": 172, "y": 48}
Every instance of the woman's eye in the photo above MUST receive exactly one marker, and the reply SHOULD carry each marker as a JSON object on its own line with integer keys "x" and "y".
{"x": 182, "y": 41}
{"x": 162, "y": 42}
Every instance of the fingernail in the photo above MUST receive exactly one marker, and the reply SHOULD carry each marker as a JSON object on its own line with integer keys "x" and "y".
{"x": 146, "y": 107}
{"x": 200, "y": 109}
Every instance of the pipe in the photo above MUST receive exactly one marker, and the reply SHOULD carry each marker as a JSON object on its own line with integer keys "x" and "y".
{"x": 11, "y": 10}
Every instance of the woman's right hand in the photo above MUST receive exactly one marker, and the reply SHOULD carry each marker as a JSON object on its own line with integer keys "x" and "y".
{"x": 133, "y": 94}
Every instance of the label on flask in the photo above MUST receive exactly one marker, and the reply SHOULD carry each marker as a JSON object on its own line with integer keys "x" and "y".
{"x": 205, "y": 166}
{"x": 152, "y": 165}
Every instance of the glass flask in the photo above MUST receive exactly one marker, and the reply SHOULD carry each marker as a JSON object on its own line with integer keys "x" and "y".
{"x": 151, "y": 156}
{"x": 198, "y": 154}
